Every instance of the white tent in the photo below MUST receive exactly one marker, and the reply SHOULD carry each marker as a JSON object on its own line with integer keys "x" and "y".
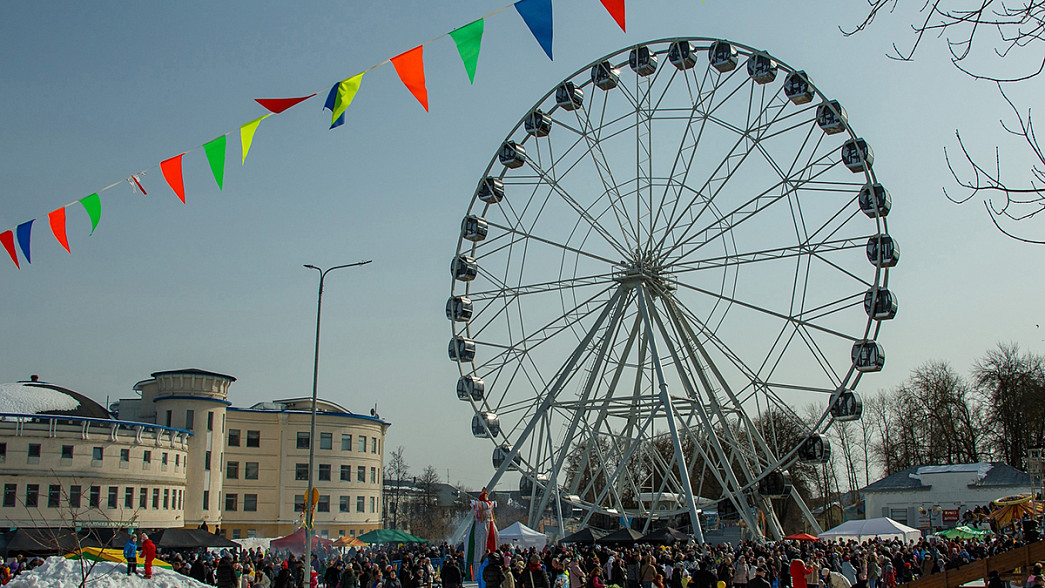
{"x": 861, "y": 530}
{"x": 519, "y": 535}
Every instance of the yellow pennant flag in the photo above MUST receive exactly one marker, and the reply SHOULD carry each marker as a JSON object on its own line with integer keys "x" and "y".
{"x": 346, "y": 91}
{"x": 246, "y": 134}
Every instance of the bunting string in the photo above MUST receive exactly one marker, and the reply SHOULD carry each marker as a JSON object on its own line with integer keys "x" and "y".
{"x": 409, "y": 66}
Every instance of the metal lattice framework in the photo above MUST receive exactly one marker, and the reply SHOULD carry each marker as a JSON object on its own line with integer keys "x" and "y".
{"x": 673, "y": 253}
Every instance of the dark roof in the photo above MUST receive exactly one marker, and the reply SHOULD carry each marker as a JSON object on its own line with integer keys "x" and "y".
{"x": 192, "y": 372}
{"x": 1000, "y": 475}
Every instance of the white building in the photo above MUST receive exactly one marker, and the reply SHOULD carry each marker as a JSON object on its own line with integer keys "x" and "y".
{"x": 935, "y": 497}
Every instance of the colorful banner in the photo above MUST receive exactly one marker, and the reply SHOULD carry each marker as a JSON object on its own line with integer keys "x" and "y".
{"x": 468, "y": 39}
{"x": 246, "y": 134}
{"x": 215, "y": 151}
{"x": 278, "y": 105}
{"x": 537, "y": 14}
{"x": 8, "y": 240}
{"x": 616, "y": 10}
{"x": 93, "y": 205}
{"x": 56, "y": 218}
{"x": 411, "y": 69}
{"x": 24, "y": 232}
{"x": 171, "y": 169}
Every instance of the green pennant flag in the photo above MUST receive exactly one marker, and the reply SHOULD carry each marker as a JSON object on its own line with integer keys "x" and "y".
{"x": 468, "y": 38}
{"x": 346, "y": 92}
{"x": 216, "y": 156}
{"x": 93, "y": 205}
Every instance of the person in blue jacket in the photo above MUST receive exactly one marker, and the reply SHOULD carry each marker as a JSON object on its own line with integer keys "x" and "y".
{"x": 130, "y": 553}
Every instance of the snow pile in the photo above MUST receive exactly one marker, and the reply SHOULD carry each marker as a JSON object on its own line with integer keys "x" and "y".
{"x": 254, "y": 542}
{"x": 22, "y": 399}
{"x": 58, "y": 572}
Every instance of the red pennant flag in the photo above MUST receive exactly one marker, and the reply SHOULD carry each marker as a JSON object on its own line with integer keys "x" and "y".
{"x": 8, "y": 240}
{"x": 411, "y": 69}
{"x": 616, "y": 9}
{"x": 278, "y": 105}
{"x": 57, "y": 220}
{"x": 171, "y": 169}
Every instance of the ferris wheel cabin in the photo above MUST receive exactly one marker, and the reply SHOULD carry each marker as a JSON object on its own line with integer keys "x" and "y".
{"x": 868, "y": 356}
{"x": 798, "y": 88}
{"x": 877, "y": 204}
{"x": 723, "y": 56}
{"x": 831, "y": 117}
{"x": 501, "y": 453}
{"x": 857, "y": 155}
{"x": 461, "y": 349}
{"x": 883, "y": 251}
{"x": 474, "y": 228}
{"x": 470, "y": 387}
{"x": 682, "y": 55}
{"x": 485, "y": 425}
{"x": 881, "y": 307}
{"x": 464, "y": 268}
{"x": 512, "y": 155}
{"x": 459, "y": 309}
{"x": 538, "y": 124}
{"x": 642, "y": 61}
{"x": 847, "y": 406}
{"x": 815, "y": 449}
{"x": 491, "y": 190}
{"x": 775, "y": 484}
{"x": 605, "y": 76}
{"x": 568, "y": 96}
{"x": 762, "y": 68}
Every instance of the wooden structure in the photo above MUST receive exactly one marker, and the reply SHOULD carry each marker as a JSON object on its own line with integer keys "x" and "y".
{"x": 1003, "y": 563}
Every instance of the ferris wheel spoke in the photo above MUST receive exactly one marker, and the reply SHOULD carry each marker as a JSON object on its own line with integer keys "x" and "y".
{"x": 765, "y": 255}
{"x": 538, "y": 287}
{"x": 562, "y": 246}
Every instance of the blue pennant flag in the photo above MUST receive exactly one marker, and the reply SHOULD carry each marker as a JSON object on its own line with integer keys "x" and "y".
{"x": 538, "y": 16}
{"x": 329, "y": 105}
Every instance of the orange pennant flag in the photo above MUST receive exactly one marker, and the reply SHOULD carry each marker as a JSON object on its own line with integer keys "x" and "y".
{"x": 411, "y": 69}
{"x": 57, "y": 220}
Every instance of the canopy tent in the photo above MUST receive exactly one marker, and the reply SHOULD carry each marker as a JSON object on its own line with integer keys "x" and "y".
{"x": 347, "y": 541}
{"x": 295, "y": 542}
{"x": 664, "y": 536}
{"x": 623, "y": 536}
{"x": 112, "y": 555}
{"x": 190, "y": 539}
{"x": 800, "y": 537}
{"x": 519, "y": 535}
{"x": 39, "y": 541}
{"x": 587, "y": 536}
{"x": 884, "y": 528}
{"x": 963, "y": 532}
{"x": 389, "y": 536}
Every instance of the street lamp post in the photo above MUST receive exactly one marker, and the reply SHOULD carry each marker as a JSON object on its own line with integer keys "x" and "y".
{"x": 309, "y": 504}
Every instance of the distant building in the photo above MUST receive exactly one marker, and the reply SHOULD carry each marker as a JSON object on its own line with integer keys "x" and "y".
{"x": 180, "y": 455}
{"x": 1036, "y": 462}
{"x": 934, "y": 497}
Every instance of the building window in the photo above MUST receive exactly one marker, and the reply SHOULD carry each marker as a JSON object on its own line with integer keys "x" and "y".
{"x": 125, "y": 455}
{"x": 373, "y": 445}
{"x": 34, "y": 453}
{"x": 206, "y": 460}
{"x": 345, "y": 504}
{"x": 97, "y": 453}
{"x": 166, "y": 498}
{"x": 74, "y": 496}
{"x": 324, "y": 472}
{"x": 373, "y": 475}
{"x": 361, "y": 474}
{"x": 143, "y": 498}
{"x": 250, "y": 470}
{"x": 146, "y": 458}
{"x": 10, "y": 494}
{"x": 326, "y": 440}
{"x": 250, "y": 502}
{"x": 360, "y": 504}
{"x": 346, "y": 442}
{"x": 32, "y": 495}
{"x": 372, "y": 504}
{"x": 67, "y": 451}
{"x": 253, "y": 438}
{"x": 210, "y": 420}
{"x": 252, "y": 533}
{"x": 128, "y": 497}
{"x": 346, "y": 473}
{"x": 233, "y": 437}
{"x": 299, "y": 503}
{"x": 163, "y": 459}
{"x": 177, "y": 460}
{"x": 302, "y": 440}
{"x": 155, "y": 498}
{"x": 301, "y": 471}
{"x": 232, "y": 470}
{"x": 362, "y": 443}
{"x": 94, "y": 499}
{"x": 114, "y": 496}
{"x": 54, "y": 496}
{"x": 206, "y": 500}
{"x": 231, "y": 502}
{"x": 169, "y": 418}
{"x": 324, "y": 503}
{"x": 3, "y": 451}
{"x": 190, "y": 419}
{"x": 181, "y": 499}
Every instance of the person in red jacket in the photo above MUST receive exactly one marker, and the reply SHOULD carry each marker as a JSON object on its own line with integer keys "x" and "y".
{"x": 799, "y": 571}
{"x": 149, "y": 551}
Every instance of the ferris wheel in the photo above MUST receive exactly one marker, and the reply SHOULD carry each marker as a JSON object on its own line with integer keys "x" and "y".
{"x": 667, "y": 285}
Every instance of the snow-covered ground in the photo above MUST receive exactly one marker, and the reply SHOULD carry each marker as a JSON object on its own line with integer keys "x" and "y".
{"x": 18, "y": 398}
{"x": 58, "y": 572}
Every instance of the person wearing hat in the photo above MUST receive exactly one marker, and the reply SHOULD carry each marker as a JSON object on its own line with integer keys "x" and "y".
{"x": 534, "y": 575}
{"x": 130, "y": 553}
{"x": 834, "y": 579}
{"x": 760, "y": 580}
{"x": 225, "y": 574}
{"x": 149, "y": 551}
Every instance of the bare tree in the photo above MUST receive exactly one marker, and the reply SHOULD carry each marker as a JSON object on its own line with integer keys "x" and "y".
{"x": 396, "y": 470}
{"x": 998, "y": 30}
{"x": 1014, "y": 385}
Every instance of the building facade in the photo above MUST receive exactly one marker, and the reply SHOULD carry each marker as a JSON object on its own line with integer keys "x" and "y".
{"x": 180, "y": 455}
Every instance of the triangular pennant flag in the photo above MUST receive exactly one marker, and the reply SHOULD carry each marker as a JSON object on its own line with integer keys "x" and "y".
{"x": 171, "y": 169}
{"x": 278, "y": 105}
{"x": 538, "y": 17}
{"x": 56, "y": 218}
{"x": 468, "y": 39}
{"x": 216, "y": 157}
{"x": 246, "y": 134}
{"x": 93, "y": 205}
{"x": 8, "y": 239}
{"x": 411, "y": 69}
{"x": 616, "y": 9}
{"x": 346, "y": 92}
{"x": 24, "y": 231}
{"x": 329, "y": 105}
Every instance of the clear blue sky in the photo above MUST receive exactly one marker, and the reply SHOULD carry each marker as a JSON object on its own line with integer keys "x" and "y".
{"x": 92, "y": 92}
